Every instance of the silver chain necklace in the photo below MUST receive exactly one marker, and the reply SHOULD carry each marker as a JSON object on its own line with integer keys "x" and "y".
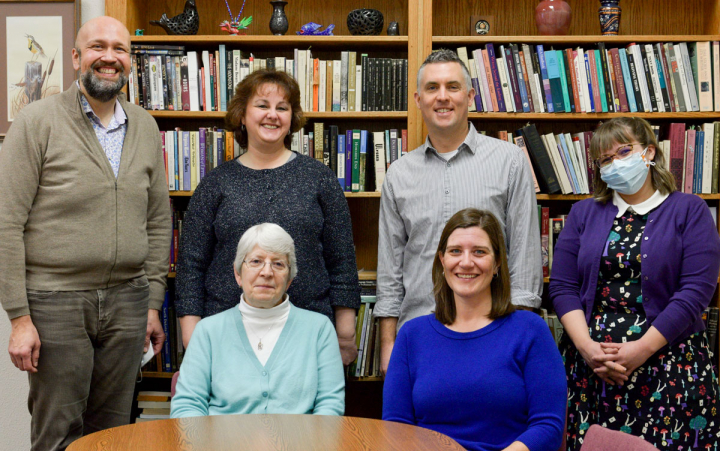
{"x": 260, "y": 339}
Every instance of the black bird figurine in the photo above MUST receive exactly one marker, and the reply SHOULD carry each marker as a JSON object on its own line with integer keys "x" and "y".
{"x": 186, "y": 23}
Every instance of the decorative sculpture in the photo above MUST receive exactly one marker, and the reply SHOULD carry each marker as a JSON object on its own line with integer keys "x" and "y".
{"x": 278, "y": 20}
{"x": 236, "y": 25}
{"x": 312, "y": 29}
{"x": 186, "y": 23}
{"x": 365, "y": 22}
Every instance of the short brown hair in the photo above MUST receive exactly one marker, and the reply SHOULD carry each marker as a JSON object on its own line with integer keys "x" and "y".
{"x": 248, "y": 88}
{"x": 445, "y": 310}
{"x": 621, "y": 130}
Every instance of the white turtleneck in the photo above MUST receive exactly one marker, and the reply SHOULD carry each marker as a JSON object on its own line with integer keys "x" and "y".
{"x": 264, "y": 325}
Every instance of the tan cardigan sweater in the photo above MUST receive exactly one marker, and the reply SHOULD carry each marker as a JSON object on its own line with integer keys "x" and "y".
{"x": 66, "y": 223}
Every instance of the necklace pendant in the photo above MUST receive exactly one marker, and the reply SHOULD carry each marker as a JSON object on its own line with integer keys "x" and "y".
{"x": 260, "y": 345}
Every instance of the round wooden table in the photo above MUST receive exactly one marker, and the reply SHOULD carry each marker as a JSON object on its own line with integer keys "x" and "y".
{"x": 265, "y": 432}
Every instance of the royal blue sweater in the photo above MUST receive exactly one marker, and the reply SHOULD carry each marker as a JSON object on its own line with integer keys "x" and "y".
{"x": 485, "y": 389}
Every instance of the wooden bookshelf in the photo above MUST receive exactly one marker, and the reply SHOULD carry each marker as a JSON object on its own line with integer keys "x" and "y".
{"x": 427, "y": 25}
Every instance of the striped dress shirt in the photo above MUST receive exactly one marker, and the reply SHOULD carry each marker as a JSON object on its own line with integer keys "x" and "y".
{"x": 422, "y": 191}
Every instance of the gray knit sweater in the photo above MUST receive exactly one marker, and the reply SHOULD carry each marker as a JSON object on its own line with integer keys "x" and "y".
{"x": 302, "y": 196}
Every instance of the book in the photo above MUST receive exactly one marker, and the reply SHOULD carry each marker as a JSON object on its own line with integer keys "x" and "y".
{"x": 540, "y": 159}
{"x": 545, "y": 79}
{"x": 355, "y": 161}
{"x": 379, "y": 156}
{"x": 704, "y": 77}
{"x": 553, "y": 73}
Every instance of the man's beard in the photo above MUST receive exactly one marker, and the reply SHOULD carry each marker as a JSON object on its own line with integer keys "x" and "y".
{"x": 103, "y": 90}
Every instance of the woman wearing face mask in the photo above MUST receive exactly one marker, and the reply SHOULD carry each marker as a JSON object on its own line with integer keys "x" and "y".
{"x": 633, "y": 270}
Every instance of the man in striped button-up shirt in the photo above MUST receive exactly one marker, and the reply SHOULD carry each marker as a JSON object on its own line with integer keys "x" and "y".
{"x": 455, "y": 168}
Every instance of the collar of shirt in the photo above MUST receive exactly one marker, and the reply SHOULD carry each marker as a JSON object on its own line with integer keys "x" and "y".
{"x": 119, "y": 116}
{"x": 643, "y": 207}
{"x": 468, "y": 144}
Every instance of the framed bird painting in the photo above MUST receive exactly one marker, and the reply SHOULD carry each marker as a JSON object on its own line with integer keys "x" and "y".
{"x": 36, "y": 41}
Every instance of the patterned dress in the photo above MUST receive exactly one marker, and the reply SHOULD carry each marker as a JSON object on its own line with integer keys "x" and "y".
{"x": 670, "y": 400}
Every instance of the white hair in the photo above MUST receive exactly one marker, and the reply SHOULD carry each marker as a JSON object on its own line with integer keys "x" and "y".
{"x": 271, "y": 238}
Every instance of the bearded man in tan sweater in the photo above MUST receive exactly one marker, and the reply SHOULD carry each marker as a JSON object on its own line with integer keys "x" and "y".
{"x": 84, "y": 238}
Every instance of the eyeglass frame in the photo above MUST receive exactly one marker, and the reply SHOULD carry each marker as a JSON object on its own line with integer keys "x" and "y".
{"x": 265, "y": 262}
{"x": 614, "y": 156}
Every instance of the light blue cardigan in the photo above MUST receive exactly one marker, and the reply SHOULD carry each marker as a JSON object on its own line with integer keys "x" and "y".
{"x": 220, "y": 373}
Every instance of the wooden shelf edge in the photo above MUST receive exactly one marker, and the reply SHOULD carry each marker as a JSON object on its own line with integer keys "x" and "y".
{"x": 570, "y": 39}
{"x": 592, "y": 116}
{"x": 275, "y": 41}
{"x": 538, "y": 196}
{"x": 156, "y": 375}
{"x": 366, "y": 194}
{"x": 309, "y": 115}
{"x": 365, "y": 379}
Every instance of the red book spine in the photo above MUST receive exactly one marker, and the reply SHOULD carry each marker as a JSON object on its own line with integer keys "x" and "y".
{"x": 619, "y": 82}
{"x": 545, "y": 240}
{"x": 677, "y": 152}
{"x": 404, "y": 135}
{"x": 689, "y": 160}
{"x": 573, "y": 82}
{"x": 594, "y": 81}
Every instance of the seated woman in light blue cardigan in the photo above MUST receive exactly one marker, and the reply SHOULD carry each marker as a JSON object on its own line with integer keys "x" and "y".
{"x": 264, "y": 355}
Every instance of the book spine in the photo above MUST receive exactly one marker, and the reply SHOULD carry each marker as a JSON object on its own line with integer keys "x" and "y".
{"x": 517, "y": 67}
{"x": 363, "y": 160}
{"x": 620, "y": 81}
{"x": 348, "y": 159}
{"x": 512, "y": 78}
{"x": 662, "y": 79}
{"x": 497, "y": 84}
{"x": 649, "y": 55}
{"x": 637, "y": 92}
{"x": 689, "y": 161}
{"x": 546, "y": 81}
{"x": 565, "y": 80}
{"x": 526, "y": 80}
{"x": 355, "y": 161}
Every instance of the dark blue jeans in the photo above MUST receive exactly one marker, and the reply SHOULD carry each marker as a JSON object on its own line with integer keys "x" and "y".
{"x": 91, "y": 346}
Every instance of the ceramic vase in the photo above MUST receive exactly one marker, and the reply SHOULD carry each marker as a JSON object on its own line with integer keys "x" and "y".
{"x": 552, "y": 17}
{"x": 278, "y": 20}
{"x": 609, "y": 14}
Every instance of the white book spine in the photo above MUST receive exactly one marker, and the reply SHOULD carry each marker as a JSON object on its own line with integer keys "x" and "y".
{"x": 473, "y": 74}
{"x": 323, "y": 86}
{"x": 343, "y": 81}
{"x": 716, "y": 74}
{"x": 689, "y": 74}
{"x": 507, "y": 96}
{"x": 642, "y": 80}
{"x": 358, "y": 88}
{"x": 302, "y": 73}
{"x": 336, "y": 98}
{"x": 379, "y": 149}
{"x": 654, "y": 76}
{"x": 479, "y": 67}
{"x": 208, "y": 88}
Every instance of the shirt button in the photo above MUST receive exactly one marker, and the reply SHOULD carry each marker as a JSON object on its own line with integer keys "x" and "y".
{"x": 651, "y": 220}
{"x": 447, "y": 191}
{"x": 644, "y": 256}
{"x": 448, "y": 165}
{"x": 646, "y": 277}
{"x": 265, "y": 394}
{"x": 264, "y": 373}
{"x": 646, "y": 238}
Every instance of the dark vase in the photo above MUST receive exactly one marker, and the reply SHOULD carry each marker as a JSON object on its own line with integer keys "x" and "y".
{"x": 552, "y": 17}
{"x": 609, "y": 14}
{"x": 393, "y": 29}
{"x": 278, "y": 20}
{"x": 365, "y": 22}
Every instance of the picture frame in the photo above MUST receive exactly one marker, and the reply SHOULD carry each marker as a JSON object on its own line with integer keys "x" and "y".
{"x": 36, "y": 37}
{"x": 481, "y": 25}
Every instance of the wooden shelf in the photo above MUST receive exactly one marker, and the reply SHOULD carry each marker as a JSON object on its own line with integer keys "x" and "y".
{"x": 591, "y": 116}
{"x": 366, "y": 194}
{"x": 309, "y": 115}
{"x": 156, "y": 375}
{"x": 568, "y": 40}
{"x": 275, "y": 42}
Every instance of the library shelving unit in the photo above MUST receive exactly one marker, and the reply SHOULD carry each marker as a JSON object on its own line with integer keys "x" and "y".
{"x": 427, "y": 25}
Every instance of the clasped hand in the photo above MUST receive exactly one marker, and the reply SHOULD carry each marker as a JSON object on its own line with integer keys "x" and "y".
{"x": 615, "y": 362}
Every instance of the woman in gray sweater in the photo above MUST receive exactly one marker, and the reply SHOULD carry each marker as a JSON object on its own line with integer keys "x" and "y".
{"x": 269, "y": 183}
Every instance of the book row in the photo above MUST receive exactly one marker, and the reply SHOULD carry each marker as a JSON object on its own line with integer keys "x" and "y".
{"x": 166, "y": 77}
{"x": 153, "y": 405}
{"x": 360, "y": 158}
{"x": 169, "y": 359}
{"x": 367, "y": 336}
{"x": 645, "y": 77}
{"x": 561, "y": 163}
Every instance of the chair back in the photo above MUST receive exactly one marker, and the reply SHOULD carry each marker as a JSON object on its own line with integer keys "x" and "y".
{"x": 599, "y": 438}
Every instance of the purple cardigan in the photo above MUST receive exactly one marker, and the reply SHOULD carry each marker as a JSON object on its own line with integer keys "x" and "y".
{"x": 680, "y": 252}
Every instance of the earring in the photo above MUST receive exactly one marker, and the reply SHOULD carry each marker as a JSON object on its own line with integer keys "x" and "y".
{"x": 495, "y": 276}
{"x": 289, "y": 132}
{"x": 242, "y": 127}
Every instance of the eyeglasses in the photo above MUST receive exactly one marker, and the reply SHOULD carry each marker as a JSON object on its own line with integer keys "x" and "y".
{"x": 623, "y": 152}
{"x": 256, "y": 264}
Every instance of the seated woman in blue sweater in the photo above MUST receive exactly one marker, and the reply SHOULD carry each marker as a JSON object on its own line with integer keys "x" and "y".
{"x": 265, "y": 355}
{"x": 477, "y": 370}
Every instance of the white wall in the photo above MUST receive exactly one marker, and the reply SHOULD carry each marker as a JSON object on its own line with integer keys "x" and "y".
{"x": 14, "y": 416}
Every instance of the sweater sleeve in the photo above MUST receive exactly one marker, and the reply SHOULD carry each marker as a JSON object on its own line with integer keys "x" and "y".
{"x": 337, "y": 245}
{"x": 159, "y": 228}
{"x": 197, "y": 243}
{"x": 397, "y": 390}
{"x": 20, "y": 168}
{"x": 192, "y": 392}
{"x": 546, "y": 386}
{"x": 330, "y": 399}
{"x": 698, "y": 274}
{"x": 565, "y": 281}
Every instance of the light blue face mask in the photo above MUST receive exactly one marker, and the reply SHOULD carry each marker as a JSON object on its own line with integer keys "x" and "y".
{"x": 627, "y": 176}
